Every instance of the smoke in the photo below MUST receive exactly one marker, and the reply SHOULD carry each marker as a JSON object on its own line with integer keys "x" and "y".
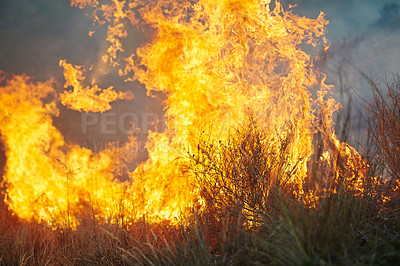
{"x": 372, "y": 52}
{"x": 389, "y": 17}
{"x": 35, "y": 34}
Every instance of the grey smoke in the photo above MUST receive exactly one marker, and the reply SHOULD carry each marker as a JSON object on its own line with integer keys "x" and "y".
{"x": 389, "y": 17}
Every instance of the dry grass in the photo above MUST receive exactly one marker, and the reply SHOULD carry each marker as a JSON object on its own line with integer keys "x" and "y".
{"x": 251, "y": 216}
{"x": 385, "y": 123}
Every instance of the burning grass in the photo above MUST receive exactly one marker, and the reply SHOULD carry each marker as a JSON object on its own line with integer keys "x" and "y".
{"x": 248, "y": 169}
{"x": 251, "y": 216}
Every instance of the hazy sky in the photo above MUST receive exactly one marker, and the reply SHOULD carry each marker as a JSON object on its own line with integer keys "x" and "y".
{"x": 349, "y": 18}
{"x": 371, "y": 29}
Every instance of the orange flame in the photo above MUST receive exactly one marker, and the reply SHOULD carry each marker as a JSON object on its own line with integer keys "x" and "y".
{"x": 87, "y": 99}
{"x": 215, "y": 61}
{"x": 39, "y": 185}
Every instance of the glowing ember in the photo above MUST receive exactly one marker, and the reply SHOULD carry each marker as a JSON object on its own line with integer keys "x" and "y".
{"x": 216, "y": 62}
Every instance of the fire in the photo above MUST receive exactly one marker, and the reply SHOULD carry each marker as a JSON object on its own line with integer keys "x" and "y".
{"x": 87, "y": 99}
{"x": 215, "y": 61}
{"x": 46, "y": 178}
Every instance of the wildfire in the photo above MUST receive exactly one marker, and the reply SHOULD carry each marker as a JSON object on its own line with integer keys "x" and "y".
{"x": 215, "y": 61}
{"x": 87, "y": 99}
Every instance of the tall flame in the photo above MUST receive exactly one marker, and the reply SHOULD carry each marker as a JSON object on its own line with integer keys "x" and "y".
{"x": 46, "y": 178}
{"x": 215, "y": 61}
